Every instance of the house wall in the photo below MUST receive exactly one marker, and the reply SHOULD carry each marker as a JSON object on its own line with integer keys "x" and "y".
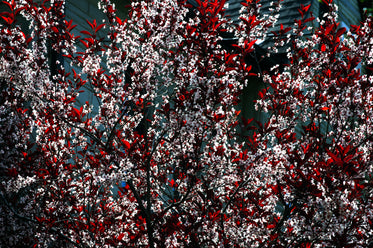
{"x": 348, "y": 11}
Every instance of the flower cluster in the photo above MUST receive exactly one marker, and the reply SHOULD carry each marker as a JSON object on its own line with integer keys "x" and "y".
{"x": 130, "y": 133}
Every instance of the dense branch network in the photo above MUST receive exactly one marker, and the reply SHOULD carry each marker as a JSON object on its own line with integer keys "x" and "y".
{"x": 161, "y": 155}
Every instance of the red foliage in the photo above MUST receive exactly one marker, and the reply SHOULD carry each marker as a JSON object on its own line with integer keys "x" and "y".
{"x": 135, "y": 140}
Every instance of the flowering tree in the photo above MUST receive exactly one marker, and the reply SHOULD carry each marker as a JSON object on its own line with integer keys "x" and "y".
{"x": 161, "y": 156}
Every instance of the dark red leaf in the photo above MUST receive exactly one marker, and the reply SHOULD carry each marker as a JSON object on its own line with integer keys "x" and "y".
{"x": 54, "y": 29}
{"x": 340, "y": 31}
{"x": 120, "y": 236}
{"x": 323, "y": 47}
{"x": 91, "y": 24}
{"x": 99, "y": 27}
{"x": 84, "y": 43}
{"x": 86, "y": 32}
{"x": 126, "y": 144}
